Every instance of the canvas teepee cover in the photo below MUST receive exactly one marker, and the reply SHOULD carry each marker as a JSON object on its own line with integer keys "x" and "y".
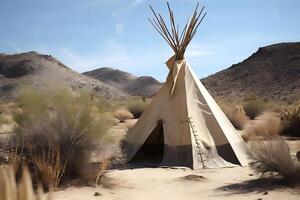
{"x": 183, "y": 125}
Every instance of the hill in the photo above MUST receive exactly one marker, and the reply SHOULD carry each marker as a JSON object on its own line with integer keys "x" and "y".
{"x": 273, "y": 72}
{"x": 138, "y": 86}
{"x": 37, "y": 70}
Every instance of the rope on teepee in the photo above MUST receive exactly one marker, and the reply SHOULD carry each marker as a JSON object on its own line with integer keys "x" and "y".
{"x": 198, "y": 144}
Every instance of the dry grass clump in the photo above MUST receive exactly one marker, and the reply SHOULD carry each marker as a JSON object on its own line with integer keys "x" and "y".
{"x": 272, "y": 157}
{"x": 104, "y": 105}
{"x": 254, "y": 107}
{"x": 56, "y": 133}
{"x": 268, "y": 123}
{"x": 14, "y": 157}
{"x": 137, "y": 106}
{"x": 3, "y": 119}
{"x": 122, "y": 114}
{"x": 236, "y": 115}
{"x": 6, "y": 121}
{"x": 291, "y": 120}
{"x": 92, "y": 173}
{"x": 102, "y": 168}
{"x": 48, "y": 165}
{"x": 10, "y": 190}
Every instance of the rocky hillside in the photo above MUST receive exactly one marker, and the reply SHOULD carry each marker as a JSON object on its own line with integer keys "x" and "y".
{"x": 36, "y": 70}
{"x": 273, "y": 72}
{"x": 138, "y": 86}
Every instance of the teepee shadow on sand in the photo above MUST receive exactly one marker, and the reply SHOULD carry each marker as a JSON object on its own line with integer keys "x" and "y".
{"x": 183, "y": 125}
{"x": 262, "y": 185}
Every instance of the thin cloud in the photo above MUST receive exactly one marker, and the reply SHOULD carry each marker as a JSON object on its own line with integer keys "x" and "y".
{"x": 117, "y": 55}
{"x": 199, "y": 50}
{"x": 119, "y": 28}
{"x": 115, "y": 14}
{"x": 12, "y": 46}
{"x": 111, "y": 54}
{"x": 89, "y": 3}
{"x": 275, "y": 12}
{"x": 136, "y": 2}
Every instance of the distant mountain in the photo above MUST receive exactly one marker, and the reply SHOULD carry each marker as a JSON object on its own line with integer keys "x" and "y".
{"x": 37, "y": 70}
{"x": 273, "y": 72}
{"x": 138, "y": 86}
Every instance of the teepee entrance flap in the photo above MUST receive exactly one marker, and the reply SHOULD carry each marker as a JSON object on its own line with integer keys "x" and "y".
{"x": 152, "y": 149}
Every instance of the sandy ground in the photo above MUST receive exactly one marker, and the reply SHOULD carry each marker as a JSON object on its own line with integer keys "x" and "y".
{"x": 181, "y": 183}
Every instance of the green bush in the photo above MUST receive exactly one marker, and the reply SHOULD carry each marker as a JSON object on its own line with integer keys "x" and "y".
{"x": 251, "y": 97}
{"x": 137, "y": 107}
{"x": 55, "y": 131}
{"x": 104, "y": 105}
{"x": 2, "y": 119}
{"x": 291, "y": 121}
{"x": 253, "y": 108}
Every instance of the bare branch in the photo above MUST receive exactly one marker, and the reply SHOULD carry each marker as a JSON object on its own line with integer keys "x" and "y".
{"x": 171, "y": 34}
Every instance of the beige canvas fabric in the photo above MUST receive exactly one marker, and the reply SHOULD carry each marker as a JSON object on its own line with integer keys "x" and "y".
{"x": 186, "y": 125}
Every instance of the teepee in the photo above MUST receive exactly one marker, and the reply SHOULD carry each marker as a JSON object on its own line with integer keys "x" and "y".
{"x": 183, "y": 125}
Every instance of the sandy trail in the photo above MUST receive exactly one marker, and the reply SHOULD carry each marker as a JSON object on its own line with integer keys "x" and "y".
{"x": 181, "y": 183}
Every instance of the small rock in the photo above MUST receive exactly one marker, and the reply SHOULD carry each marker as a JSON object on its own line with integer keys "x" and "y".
{"x": 259, "y": 199}
{"x": 250, "y": 174}
{"x": 97, "y": 194}
{"x": 265, "y": 193}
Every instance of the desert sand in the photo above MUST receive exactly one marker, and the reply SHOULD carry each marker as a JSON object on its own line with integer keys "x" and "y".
{"x": 181, "y": 183}
{"x": 142, "y": 183}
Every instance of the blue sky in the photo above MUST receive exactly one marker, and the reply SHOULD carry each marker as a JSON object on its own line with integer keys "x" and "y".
{"x": 88, "y": 34}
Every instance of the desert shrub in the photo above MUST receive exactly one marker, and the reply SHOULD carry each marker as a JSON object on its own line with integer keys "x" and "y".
{"x": 10, "y": 190}
{"x": 102, "y": 167}
{"x": 92, "y": 173}
{"x": 56, "y": 132}
{"x": 3, "y": 120}
{"x": 137, "y": 107}
{"x": 291, "y": 121}
{"x": 111, "y": 105}
{"x": 271, "y": 156}
{"x": 122, "y": 114}
{"x": 104, "y": 105}
{"x": 48, "y": 164}
{"x": 268, "y": 123}
{"x": 253, "y": 108}
{"x": 14, "y": 157}
{"x": 33, "y": 105}
{"x": 251, "y": 97}
{"x": 236, "y": 115}
{"x": 5, "y": 109}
